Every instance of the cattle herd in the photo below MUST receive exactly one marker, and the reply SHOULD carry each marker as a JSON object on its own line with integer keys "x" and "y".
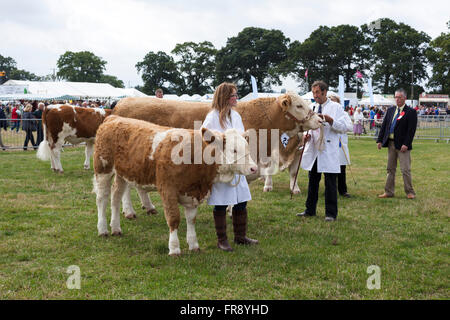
{"x": 149, "y": 143}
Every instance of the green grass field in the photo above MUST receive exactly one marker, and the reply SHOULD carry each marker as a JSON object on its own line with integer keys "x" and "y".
{"x": 48, "y": 222}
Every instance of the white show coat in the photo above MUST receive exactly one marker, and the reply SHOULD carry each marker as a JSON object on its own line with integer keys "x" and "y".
{"x": 328, "y": 159}
{"x": 223, "y": 193}
{"x": 344, "y": 154}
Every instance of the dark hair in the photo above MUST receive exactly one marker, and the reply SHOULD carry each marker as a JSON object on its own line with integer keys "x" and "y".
{"x": 321, "y": 84}
{"x": 402, "y": 91}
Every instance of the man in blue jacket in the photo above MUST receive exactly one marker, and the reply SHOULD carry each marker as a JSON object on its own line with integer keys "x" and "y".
{"x": 397, "y": 133}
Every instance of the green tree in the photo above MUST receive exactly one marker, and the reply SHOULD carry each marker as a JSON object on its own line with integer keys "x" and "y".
{"x": 9, "y": 66}
{"x": 398, "y": 55}
{"x": 196, "y": 66}
{"x": 438, "y": 55}
{"x": 159, "y": 70}
{"x": 112, "y": 80}
{"x": 81, "y": 66}
{"x": 254, "y": 51}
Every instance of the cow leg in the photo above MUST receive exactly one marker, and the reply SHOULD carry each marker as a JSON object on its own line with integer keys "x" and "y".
{"x": 56, "y": 154}
{"x": 127, "y": 205}
{"x": 102, "y": 187}
{"x": 88, "y": 151}
{"x": 118, "y": 189}
{"x": 292, "y": 172}
{"x": 268, "y": 184}
{"x": 191, "y": 236}
{"x": 147, "y": 204}
{"x": 172, "y": 214}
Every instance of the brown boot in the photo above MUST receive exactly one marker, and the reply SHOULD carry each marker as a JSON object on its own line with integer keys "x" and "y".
{"x": 220, "y": 221}
{"x": 240, "y": 228}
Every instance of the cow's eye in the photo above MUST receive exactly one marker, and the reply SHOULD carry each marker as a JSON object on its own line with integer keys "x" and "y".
{"x": 235, "y": 151}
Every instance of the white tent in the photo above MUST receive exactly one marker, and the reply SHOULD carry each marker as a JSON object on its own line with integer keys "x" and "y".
{"x": 65, "y": 90}
{"x": 251, "y": 96}
{"x": 378, "y": 100}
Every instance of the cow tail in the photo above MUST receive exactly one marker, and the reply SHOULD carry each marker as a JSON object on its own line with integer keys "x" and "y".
{"x": 43, "y": 152}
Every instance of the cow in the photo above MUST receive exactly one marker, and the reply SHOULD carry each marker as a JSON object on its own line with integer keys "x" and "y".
{"x": 146, "y": 155}
{"x": 288, "y": 113}
{"x": 69, "y": 123}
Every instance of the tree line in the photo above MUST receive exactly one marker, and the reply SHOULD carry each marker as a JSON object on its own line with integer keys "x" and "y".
{"x": 392, "y": 54}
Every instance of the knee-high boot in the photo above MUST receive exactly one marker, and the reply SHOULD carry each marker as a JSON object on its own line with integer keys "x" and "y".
{"x": 240, "y": 227}
{"x": 220, "y": 221}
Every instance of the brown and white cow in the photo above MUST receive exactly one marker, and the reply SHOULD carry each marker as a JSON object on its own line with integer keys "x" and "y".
{"x": 143, "y": 155}
{"x": 72, "y": 124}
{"x": 288, "y": 113}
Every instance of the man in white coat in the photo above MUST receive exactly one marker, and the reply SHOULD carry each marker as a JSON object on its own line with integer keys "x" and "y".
{"x": 322, "y": 155}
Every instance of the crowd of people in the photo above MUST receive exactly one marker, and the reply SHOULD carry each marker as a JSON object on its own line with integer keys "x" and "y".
{"x": 27, "y": 115}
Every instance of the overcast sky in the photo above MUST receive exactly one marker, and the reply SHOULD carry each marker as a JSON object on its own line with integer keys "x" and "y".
{"x": 36, "y": 32}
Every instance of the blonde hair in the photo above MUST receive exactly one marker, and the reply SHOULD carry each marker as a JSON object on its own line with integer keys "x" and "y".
{"x": 220, "y": 100}
{"x": 28, "y": 108}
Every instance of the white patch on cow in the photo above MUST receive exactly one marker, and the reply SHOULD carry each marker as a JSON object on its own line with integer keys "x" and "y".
{"x": 100, "y": 110}
{"x": 66, "y": 132}
{"x": 174, "y": 243}
{"x": 104, "y": 162}
{"x": 55, "y": 106}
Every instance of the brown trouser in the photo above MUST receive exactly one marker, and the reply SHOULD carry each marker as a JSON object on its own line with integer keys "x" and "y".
{"x": 405, "y": 166}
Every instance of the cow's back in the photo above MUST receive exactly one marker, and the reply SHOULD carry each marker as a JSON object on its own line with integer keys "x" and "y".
{"x": 171, "y": 113}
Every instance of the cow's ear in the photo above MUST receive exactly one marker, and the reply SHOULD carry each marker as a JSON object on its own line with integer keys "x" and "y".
{"x": 284, "y": 102}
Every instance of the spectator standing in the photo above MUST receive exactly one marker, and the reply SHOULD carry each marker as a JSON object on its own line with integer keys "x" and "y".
{"x": 15, "y": 116}
{"x": 38, "y": 115}
{"x": 3, "y": 125}
{"x": 397, "y": 134}
{"x": 28, "y": 125}
{"x": 358, "y": 121}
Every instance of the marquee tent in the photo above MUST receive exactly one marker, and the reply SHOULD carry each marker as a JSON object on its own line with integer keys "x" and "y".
{"x": 378, "y": 100}
{"x": 42, "y": 90}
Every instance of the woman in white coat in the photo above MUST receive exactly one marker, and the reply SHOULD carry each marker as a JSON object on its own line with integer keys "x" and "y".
{"x": 221, "y": 118}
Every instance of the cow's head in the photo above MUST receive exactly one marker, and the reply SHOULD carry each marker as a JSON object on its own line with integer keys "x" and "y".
{"x": 299, "y": 111}
{"x": 231, "y": 152}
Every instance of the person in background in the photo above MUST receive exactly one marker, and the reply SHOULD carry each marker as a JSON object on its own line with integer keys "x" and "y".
{"x": 397, "y": 134}
{"x": 3, "y": 125}
{"x": 159, "y": 93}
{"x": 15, "y": 116}
{"x": 38, "y": 115}
{"x": 344, "y": 154}
{"x": 221, "y": 118}
{"x": 358, "y": 120}
{"x": 28, "y": 125}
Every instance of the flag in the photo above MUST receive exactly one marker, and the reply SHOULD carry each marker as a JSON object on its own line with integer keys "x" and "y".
{"x": 341, "y": 90}
{"x": 358, "y": 74}
{"x": 254, "y": 87}
{"x": 369, "y": 85}
{"x": 306, "y": 73}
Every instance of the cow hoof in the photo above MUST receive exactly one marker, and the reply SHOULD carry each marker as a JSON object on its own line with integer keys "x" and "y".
{"x": 117, "y": 233}
{"x": 195, "y": 250}
{"x": 86, "y": 167}
{"x": 267, "y": 189}
{"x": 152, "y": 211}
{"x": 130, "y": 216}
{"x": 103, "y": 234}
{"x": 296, "y": 192}
{"x": 175, "y": 255}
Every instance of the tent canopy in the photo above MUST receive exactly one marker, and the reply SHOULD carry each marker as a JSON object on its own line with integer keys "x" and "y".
{"x": 65, "y": 90}
{"x": 378, "y": 100}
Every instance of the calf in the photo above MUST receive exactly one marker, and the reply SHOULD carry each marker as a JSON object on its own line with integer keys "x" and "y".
{"x": 69, "y": 123}
{"x": 145, "y": 155}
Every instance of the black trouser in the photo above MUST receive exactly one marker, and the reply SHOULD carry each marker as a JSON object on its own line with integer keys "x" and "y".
{"x": 240, "y": 206}
{"x": 40, "y": 134}
{"x": 29, "y": 137}
{"x": 331, "y": 209}
{"x": 342, "y": 181}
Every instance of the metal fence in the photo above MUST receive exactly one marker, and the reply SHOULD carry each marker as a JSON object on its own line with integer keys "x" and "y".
{"x": 435, "y": 128}
{"x": 13, "y": 138}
